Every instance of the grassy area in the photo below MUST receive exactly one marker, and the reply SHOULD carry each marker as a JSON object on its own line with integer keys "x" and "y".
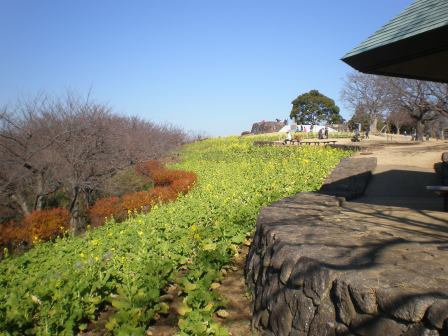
{"x": 57, "y": 288}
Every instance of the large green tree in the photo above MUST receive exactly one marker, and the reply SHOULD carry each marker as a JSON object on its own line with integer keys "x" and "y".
{"x": 315, "y": 108}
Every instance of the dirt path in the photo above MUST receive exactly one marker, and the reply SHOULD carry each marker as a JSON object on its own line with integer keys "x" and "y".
{"x": 403, "y": 172}
{"x": 233, "y": 290}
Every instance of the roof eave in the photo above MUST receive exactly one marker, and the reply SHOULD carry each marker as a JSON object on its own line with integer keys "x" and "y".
{"x": 416, "y": 47}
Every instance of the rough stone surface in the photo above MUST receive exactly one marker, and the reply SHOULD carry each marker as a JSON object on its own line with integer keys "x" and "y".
{"x": 344, "y": 306}
{"x": 438, "y": 313}
{"x": 319, "y": 266}
{"x": 324, "y": 321}
{"x": 364, "y": 299}
{"x": 350, "y": 178}
{"x": 374, "y": 326}
{"x": 420, "y": 330}
{"x": 266, "y": 127}
{"x": 404, "y": 305}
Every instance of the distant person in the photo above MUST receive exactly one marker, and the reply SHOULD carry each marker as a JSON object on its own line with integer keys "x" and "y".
{"x": 326, "y": 132}
{"x": 320, "y": 134}
{"x": 288, "y": 138}
{"x": 414, "y": 135}
{"x": 367, "y": 132}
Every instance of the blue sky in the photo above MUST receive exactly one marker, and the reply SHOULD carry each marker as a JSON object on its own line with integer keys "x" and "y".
{"x": 213, "y": 66}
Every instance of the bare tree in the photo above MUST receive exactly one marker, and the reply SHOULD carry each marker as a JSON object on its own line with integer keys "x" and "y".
{"x": 369, "y": 91}
{"x": 72, "y": 144}
{"x": 400, "y": 117}
{"x": 24, "y": 147}
{"x": 426, "y": 102}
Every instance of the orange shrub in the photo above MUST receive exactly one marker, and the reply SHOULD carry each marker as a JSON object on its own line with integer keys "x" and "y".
{"x": 183, "y": 185}
{"x": 47, "y": 224}
{"x": 163, "y": 194}
{"x": 147, "y": 167}
{"x": 106, "y": 208}
{"x": 160, "y": 175}
{"x": 138, "y": 201}
{"x": 168, "y": 184}
{"x": 14, "y": 233}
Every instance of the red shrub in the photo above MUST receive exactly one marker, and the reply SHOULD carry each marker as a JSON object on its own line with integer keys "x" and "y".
{"x": 141, "y": 200}
{"x": 106, "y": 208}
{"x": 47, "y": 224}
{"x": 163, "y": 194}
{"x": 184, "y": 184}
{"x": 160, "y": 175}
{"x": 168, "y": 184}
{"x": 146, "y": 168}
{"x": 14, "y": 233}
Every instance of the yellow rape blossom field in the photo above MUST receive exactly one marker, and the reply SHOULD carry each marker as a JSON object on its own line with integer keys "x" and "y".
{"x": 59, "y": 287}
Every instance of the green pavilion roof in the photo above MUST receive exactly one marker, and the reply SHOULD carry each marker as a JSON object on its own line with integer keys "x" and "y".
{"x": 414, "y": 44}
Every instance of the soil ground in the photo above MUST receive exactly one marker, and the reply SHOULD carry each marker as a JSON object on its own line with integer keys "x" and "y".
{"x": 232, "y": 289}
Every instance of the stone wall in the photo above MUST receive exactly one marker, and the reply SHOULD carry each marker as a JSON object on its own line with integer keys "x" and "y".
{"x": 318, "y": 266}
{"x": 350, "y": 178}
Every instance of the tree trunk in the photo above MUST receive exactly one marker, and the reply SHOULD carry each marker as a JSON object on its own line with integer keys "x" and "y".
{"x": 77, "y": 212}
{"x": 20, "y": 200}
{"x": 420, "y": 127}
{"x": 374, "y": 125}
{"x": 39, "y": 192}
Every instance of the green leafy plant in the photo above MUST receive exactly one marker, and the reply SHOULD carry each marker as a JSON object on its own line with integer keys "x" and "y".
{"x": 58, "y": 287}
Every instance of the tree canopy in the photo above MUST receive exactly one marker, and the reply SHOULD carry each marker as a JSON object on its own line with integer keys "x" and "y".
{"x": 314, "y": 108}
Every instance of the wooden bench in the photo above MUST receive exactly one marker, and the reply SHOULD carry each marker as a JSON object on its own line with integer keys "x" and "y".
{"x": 317, "y": 143}
{"x": 309, "y": 143}
{"x": 441, "y": 191}
{"x": 292, "y": 142}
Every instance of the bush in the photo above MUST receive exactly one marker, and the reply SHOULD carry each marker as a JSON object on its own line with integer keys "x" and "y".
{"x": 168, "y": 184}
{"x": 142, "y": 200}
{"x": 47, "y": 224}
{"x": 106, "y": 208}
{"x": 40, "y": 225}
{"x": 13, "y": 233}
